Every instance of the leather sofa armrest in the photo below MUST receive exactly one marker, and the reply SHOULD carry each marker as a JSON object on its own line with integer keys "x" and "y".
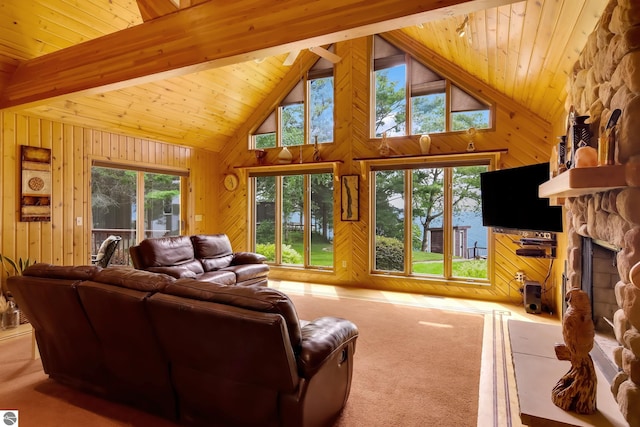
{"x": 174, "y": 271}
{"x": 240, "y": 258}
{"x": 321, "y": 339}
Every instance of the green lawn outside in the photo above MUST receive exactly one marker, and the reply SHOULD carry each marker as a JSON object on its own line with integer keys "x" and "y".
{"x": 322, "y": 256}
{"x": 476, "y": 269}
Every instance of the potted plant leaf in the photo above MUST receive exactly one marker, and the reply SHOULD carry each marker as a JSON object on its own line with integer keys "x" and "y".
{"x": 12, "y": 268}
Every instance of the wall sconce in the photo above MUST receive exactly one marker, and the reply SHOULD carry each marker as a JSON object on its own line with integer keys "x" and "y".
{"x": 471, "y": 132}
{"x": 463, "y": 28}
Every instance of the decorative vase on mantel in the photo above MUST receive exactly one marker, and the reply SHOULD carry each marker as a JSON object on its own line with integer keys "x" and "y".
{"x": 384, "y": 148}
{"x": 425, "y": 144}
{"x": 285, "y": 156}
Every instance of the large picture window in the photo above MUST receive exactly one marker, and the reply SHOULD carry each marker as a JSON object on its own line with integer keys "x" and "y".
{"x": 293, "y": 219}
{"x": 428, "y": 221}
{"x": 412, "y": 99}
{"x": 134, "y": 205}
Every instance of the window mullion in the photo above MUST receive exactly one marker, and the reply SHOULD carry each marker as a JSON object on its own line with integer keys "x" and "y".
{"x": 278, "y": 222}
{"x": 307, "y": 113}
{"x": 447, "y": 222}
{"x": 407, "y": 94}
{"x": 279, "y": 126}
{"x": 306, "y": 219}
{"x": 448, "y": 121}
{"x": 408, "y": 220}
{"x": 140, "y": 227}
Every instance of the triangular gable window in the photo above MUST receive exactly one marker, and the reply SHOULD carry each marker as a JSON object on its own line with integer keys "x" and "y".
{"x": 436, "y": 105}
{"x": 304, "y": 115}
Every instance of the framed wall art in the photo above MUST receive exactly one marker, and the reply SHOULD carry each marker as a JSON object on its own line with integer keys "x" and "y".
{"x": 350, "y": 188}
{"x": 35, "y": 188}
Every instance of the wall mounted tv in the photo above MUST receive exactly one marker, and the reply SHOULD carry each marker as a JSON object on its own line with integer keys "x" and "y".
{"x": 510, "y": 200}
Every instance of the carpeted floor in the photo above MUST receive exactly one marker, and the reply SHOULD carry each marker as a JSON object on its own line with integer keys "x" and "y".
{"x": 413, "y": 367}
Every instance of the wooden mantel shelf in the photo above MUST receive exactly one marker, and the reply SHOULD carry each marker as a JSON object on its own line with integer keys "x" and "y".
{"x": 578, "y": 181}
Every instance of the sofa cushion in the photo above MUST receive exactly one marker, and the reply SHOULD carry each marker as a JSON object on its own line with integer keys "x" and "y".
{"x": 248, "y": 271}
{"x": 247, "y": 258}
{"x": 263, "y": 299}
{"x": 130, "y": 278}
{"x": 81, "y": 272}
{"x": 219, "y": 277}
{"x": 213, "y": 250}
{"x": 168, "y": 251}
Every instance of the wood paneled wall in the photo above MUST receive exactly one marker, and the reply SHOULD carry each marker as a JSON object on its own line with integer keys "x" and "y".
{"x": 62, "y": 240}
{"x": 527, "y": 138}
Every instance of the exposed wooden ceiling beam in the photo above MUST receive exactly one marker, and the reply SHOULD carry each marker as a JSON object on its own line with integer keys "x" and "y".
{"x": 152, "y": 9}
{"x": 213, "y": 34}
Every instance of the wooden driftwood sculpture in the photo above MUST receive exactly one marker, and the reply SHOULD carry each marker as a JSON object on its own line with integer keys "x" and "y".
{"x": 576, "y": 390}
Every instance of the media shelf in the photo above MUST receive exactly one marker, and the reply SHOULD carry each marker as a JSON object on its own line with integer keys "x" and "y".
{"x": 534, "y": 244}
{"x": 537, "y": 248}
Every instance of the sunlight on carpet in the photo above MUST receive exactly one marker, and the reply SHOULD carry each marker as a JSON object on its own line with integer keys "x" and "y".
{"x": 412, "y": 367}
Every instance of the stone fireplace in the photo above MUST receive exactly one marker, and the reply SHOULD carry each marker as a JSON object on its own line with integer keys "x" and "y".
{"x": 599, "y": 279}
{"x": 605, "y": 217}
{"x": 607, "y": 77}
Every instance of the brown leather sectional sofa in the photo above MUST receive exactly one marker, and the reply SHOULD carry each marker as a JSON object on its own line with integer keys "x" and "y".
{"x": 206, "y": 257}
{"x": 195, "y": 352}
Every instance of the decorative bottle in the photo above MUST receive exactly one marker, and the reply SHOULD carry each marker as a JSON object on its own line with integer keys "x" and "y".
{"x": 316, "y": 150}
{"x": 579, "y": 136}
{"x": 384, "y": 149}
{"x": 11, "y": 316}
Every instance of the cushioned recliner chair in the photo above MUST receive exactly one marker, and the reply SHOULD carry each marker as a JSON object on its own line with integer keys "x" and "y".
{"x": 206, "y": 257}
{"x": 196, "y": 352}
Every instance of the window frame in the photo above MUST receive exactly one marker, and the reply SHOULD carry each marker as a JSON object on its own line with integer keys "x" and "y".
{"x": 449, "y": 83}
{"x": 279, "y": 172}
{"x": 276, "y": 112}
{"x": 141, "y": 170}
{"x": 490, "y": 159}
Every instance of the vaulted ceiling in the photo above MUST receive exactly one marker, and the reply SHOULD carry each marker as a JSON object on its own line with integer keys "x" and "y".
{"x": 191, "y": 72}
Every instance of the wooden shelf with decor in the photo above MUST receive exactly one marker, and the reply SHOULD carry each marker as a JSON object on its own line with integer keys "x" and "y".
{"x": 579, "y": 181}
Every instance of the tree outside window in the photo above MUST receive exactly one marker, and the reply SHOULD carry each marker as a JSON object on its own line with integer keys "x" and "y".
{"x": 116, "y": 206}
{"x": 435, "y": 105}
{"x": 414, "y": 202}
{"x": 302, "y": 234}
{"x": 312, "y": 97}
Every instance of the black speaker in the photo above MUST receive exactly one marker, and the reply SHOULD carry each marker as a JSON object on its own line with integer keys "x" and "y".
{"x": 532, "y": 295}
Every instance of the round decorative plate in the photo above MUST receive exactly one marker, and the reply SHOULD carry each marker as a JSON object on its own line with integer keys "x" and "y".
{"x": 36, "y": 183}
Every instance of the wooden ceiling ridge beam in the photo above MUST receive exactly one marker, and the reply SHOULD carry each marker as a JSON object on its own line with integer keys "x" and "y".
{"x": 212, "y": 34}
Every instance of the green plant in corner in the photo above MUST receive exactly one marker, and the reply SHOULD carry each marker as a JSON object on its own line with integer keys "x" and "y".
{"x": 13, "y": 268}
{"x": 18, "y": 267}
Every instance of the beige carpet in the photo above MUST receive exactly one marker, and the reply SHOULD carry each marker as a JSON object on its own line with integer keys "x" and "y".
{"x": 413, "y": 367}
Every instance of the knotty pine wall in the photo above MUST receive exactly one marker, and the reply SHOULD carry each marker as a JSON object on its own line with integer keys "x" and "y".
{"x": 527, "y": 138}
{"x": 62, "y": 241}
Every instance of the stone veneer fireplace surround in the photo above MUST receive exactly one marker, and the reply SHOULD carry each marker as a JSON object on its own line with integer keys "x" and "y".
{"x": 605, "y": 77}
{"x": 597, "y": 216}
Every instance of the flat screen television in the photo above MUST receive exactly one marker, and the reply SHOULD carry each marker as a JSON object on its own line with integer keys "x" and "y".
{"x": 510, "y": 200}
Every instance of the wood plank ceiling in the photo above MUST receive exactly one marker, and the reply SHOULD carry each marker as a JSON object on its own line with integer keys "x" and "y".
{"x": 524, "y": 49}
